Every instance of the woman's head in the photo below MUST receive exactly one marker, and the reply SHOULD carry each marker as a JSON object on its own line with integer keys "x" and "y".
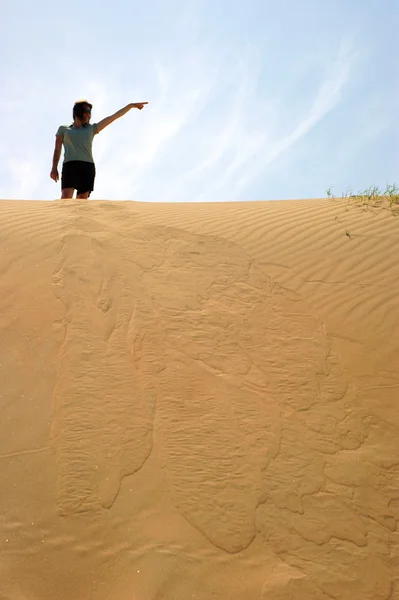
{"x": 82, "y": 110}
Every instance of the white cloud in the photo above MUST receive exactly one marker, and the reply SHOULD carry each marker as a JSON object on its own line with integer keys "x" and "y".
{"x": 136, "y": 143}
{"x": 24, "y": 176}
{"x": 258, "y": 157}
{"x": 229, "y": 147}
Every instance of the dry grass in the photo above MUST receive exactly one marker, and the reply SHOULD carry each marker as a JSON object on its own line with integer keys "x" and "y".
{"x": 372, "y": 198}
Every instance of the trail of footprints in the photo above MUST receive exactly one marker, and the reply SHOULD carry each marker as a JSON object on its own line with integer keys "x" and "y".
{"x": 102, "y": 427}
{"x": 189, "y": 344}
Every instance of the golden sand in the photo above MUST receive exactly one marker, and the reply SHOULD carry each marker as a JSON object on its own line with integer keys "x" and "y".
{"x": 199, "y": 401}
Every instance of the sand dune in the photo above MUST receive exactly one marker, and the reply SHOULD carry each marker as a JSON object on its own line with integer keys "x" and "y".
{"x": 198, "y": 401}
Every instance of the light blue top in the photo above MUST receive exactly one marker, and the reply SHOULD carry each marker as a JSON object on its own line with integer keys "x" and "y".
{"x": 78, "y": 141}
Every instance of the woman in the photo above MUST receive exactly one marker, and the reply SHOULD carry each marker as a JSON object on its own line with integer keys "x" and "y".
{"x": 78, "y": 170}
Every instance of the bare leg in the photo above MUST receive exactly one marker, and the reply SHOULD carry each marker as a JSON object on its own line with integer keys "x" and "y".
{"x": 67, "y": 193}
{"x": 83, "y": 196}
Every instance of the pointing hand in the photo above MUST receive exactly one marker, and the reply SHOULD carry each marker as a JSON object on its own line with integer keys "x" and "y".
{"x": 139, "y": 105}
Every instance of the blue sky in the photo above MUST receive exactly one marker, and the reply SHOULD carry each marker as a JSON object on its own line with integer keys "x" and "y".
{"x": 250, "y": 100}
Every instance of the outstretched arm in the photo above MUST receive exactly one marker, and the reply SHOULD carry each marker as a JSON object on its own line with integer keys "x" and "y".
{"x": 108, "y": 120}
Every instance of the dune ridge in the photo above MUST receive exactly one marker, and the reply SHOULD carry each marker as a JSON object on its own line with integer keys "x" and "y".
{"x": 199, "y": 400}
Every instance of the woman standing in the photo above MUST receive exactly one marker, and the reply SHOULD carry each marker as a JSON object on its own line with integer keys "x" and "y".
{"x": 78, "y": 170}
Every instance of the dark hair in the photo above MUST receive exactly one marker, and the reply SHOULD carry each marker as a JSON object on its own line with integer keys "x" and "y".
{"x": 78, "y": 109}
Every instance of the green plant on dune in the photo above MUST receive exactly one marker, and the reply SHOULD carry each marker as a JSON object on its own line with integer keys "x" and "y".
{"x": 372, "y": 197}
{"x": 330, "y": 194}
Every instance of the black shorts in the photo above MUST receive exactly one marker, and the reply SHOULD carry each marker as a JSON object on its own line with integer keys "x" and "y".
{"x": 78, "y": 174}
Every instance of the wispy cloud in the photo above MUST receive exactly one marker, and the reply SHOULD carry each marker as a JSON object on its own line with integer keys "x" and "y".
{"x": 229, "y": 146}
{"x": 232, "y": 137}
{"x": 327, "y": 97}
{"x": 24, "y": 177}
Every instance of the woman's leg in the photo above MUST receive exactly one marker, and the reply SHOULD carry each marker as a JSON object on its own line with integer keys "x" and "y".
{"x": 87, "y": 173}
{"x": 83, "y": 196}
{"x": 67, "y": 193}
